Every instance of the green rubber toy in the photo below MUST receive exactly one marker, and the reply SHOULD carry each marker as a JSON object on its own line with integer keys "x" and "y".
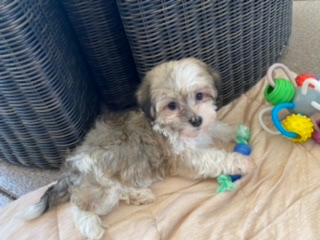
{"x": 243, "y": 134}
{"x": 226, "y": 184}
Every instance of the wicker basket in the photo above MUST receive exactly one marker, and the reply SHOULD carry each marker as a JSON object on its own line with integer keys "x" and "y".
{"x": 46, "y": 102}
{"x": 101, "y": 35}
{"x": 241, "y": 39}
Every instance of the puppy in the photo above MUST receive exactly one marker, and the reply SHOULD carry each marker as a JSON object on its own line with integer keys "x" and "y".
{"x": 171, "y": 134}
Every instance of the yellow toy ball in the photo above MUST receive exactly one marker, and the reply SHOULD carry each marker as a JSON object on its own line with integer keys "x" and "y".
{"x": 299, "y": 124}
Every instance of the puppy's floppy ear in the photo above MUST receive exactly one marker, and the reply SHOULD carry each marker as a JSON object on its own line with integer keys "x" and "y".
{"x": 216, "y": 81}
{"x": 143, "y": 95}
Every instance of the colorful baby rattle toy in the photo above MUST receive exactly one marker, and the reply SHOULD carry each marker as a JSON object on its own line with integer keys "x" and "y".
{"x": 227, "y": 181}
{"x": 301, "y": 96}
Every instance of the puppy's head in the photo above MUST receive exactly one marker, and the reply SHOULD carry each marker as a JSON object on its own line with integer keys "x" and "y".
{"x": 180, "y": 96}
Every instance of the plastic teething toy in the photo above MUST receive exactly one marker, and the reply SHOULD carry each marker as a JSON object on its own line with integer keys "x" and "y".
{"x": 300, "y": 124}
{"x": 227, "y": 181}
{"x": 304, "y": 76}
{"x": 316, "y": 135}
{"x": 301, "y": 96}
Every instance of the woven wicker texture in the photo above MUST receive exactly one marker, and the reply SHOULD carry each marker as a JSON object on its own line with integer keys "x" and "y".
{"x": 46, "y": 102}
{"x": 100, "y": 32}
{"x": 241, "y": 39}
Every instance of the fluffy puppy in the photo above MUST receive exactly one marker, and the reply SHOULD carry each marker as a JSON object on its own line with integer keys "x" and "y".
{"x": 171, "y": 134}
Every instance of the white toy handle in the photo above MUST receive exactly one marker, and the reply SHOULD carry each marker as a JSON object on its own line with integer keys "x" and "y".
{"x": 283, "y": 68}
{"x": 304, "y": 90}
{"x": 260, "y": 117}
{"x": 307, "y": 83}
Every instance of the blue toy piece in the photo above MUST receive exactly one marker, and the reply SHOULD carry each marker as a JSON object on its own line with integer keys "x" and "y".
{"x": 242, "y": 148}
{"x": 235, "y": 177}
{"x": 277, "y": 122}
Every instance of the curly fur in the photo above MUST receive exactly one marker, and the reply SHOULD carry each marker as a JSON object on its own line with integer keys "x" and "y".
{"x": 126, "y": 152}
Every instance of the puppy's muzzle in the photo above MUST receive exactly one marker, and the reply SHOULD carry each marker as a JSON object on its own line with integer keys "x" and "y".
{"x": 196, "y": 121}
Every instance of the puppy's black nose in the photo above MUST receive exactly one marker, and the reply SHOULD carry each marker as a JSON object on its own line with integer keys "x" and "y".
{"x": 196, "y": 121}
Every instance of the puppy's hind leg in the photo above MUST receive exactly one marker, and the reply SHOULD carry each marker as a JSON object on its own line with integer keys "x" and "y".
{"x": 89, "y": 204}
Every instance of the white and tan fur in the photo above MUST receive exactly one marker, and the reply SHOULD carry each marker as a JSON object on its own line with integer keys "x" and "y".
{"x": 171, "y": 134}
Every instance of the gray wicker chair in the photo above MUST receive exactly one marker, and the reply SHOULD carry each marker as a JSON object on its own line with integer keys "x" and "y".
{"x": 99, "y": 30}
{"x": 46, "y": 101}
{"x": 241, "y": 39}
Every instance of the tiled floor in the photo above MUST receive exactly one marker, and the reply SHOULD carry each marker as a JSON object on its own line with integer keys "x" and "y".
{"x": 303, "y": 56}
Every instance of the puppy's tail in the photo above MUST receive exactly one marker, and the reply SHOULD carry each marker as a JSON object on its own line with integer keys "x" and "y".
{"x": 55, "y": 195}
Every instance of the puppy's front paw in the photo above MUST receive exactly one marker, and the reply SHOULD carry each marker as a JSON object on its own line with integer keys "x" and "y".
{"x": 241, "y": 164}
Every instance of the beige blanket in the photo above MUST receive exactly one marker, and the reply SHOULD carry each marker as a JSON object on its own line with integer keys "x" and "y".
{"x": 279, "y": 200}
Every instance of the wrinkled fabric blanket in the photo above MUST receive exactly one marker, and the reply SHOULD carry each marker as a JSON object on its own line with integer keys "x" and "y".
{"x": 280, "y": 199}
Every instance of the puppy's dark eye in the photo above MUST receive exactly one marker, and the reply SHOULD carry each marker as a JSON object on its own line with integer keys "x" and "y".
{"x": 199, "y": 96}
{"x": 172, "y": 106}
